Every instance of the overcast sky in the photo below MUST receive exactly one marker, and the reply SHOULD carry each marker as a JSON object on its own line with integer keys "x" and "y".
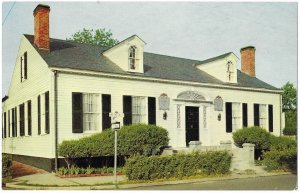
{"x": 194, "y": 30}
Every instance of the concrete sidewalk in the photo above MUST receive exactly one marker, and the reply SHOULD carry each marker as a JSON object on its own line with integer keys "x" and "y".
{"x": 50, "y": 181}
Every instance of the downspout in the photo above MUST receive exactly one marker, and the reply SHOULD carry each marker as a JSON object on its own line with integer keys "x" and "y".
{"x": 55, "y": 120}
{"x": 280, "y": 98}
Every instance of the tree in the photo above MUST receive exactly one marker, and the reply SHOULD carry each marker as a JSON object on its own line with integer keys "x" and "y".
{"x": 289, "y": 105}
{"x": 289, "y": 97}
{"x": 98, "y": 37}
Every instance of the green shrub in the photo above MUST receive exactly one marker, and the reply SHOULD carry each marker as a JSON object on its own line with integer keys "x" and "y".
{"x": 284, "y": 159}
{"x": 132, "y": 140}
{"x": 136, "y": 139}
{"x": 255, "y": 135}
{"x": 290, "y": 131}
{"x": 6, "y": 165}
{"x": 282, "y": 142}
{"x": 178, "y": 166}
{"x": 76, "y": 170}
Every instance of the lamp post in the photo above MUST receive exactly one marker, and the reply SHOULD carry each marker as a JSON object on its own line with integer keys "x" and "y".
{"x": 115, "y": 126}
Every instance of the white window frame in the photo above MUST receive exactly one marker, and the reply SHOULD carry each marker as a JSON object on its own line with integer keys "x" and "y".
{"x": 132, "y": 58}
{"x": 91, "y": 112}
{"x": 139, "y": 109}
{"x": 230, "y": 71}
{"x": 236, "y": 116}
{"x": 263, "y": 116}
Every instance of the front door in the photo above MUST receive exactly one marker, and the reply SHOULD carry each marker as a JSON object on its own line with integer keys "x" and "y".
{"x": 191, "y": 124}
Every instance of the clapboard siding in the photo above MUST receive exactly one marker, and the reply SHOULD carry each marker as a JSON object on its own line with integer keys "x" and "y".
{"x": 39, "y": 80}
{"x": 212, "y": 135}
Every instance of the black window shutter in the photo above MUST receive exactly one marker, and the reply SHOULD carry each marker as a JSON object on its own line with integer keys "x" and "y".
{"x": 245, "y": 115}
{"x": 22, "y": 128}
{"x": 228, "y": 117}
{"x": 29, "y": 117}
{"x": 4, "y": 125}
{"x": 13, "y": 122}
{"x": 127, "y": 110}
{"x": 47, "y": 122}
{"x": 39, "y": 115}
{"x": 77, "y": 112}
{"x": 21, "y": 69}
{"x": 256, "y": 114}
{"x": 25, "y": 65}
{"x": 8, "y": 123}
{"x": 16, "y": 122}
{"x": 151, "y": 110}
{"x": 270, "y": 118}
{"x": 106, "y": 109}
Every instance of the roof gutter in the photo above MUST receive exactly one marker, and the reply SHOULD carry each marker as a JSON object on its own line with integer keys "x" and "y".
{"x": 178, "y": 82}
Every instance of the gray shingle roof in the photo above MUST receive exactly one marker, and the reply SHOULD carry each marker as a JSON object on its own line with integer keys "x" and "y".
{"x": 66, "y": 54}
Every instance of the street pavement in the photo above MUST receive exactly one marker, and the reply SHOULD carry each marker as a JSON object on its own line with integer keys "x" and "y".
{"x": 259, "y": 180}
{"x": 281, "y": 182}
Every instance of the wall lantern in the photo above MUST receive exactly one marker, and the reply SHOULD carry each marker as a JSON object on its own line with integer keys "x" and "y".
{"x": 165, "y": 115}
{"x": 219, "y": 117}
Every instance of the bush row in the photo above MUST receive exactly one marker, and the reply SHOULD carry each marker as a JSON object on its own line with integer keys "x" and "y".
{"x": 6, "y": 165}
{"x": 178, "y": 165}
{"x": 132, "y": 140}
{"x": 76, "y": 170}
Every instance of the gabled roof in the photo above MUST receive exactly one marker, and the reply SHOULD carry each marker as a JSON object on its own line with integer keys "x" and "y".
{"x": 214, "y": 58}
{"x": 79, "y": 56}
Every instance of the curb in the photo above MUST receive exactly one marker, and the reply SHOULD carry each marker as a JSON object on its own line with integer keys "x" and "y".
{"x": 125, "y": 186}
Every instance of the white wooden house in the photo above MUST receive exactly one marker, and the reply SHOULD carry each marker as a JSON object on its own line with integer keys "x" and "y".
{"x": 63, "y": 90}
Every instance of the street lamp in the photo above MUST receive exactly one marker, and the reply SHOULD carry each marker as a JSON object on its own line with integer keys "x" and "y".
{"x": 115, "y": 126}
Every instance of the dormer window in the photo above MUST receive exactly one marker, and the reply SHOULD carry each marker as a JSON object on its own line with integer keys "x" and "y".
{"x": 132, "y": 58}
{"x": 230, "y": 71}
{"x": 24, "y": 67}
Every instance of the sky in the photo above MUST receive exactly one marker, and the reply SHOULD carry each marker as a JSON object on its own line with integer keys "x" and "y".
{"x": 193, "y": 30}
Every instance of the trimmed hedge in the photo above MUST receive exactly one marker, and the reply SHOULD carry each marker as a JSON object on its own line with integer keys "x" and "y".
{"x": 285, "y": 159}
{"x": 290, "y": 131}
{"x": 282, "y": 154}
{"x": 132, "y": 140}
{"x": 178, "y": 166}
{"x": 6, "y": 165}
{"x": 255, "y": 135}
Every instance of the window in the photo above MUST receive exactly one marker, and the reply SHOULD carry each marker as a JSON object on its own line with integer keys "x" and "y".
{"x": 24, "y": 67}
{"x": 230, "y": 70}
{"x": 132, "y": 58}
{"x": 263, "y": 116}
{"x": 47, "y": 122}
{"x": 77, "y": 122}
{"x": 39, "y": 114}
{"x": 236, "y": 116}
{"x": 106, "y": 109}
{"x": 138, "y": 109}
{"x": 245, "y": 115}
{"x": 22, "y": 120}
{"x": 233, "y": 117}
{"x": 29, "y": 117}
{"x": 270, "y": 110}
{"x": 85, "y": 110}
{"x": 91, "y": 112}
{"x": 151, "y": 111}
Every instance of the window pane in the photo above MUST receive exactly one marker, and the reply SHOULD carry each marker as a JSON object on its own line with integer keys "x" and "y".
{"x": 91, "y": 112}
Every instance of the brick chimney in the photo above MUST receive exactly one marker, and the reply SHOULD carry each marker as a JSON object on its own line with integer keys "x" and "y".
{"x": 248, "y": 60}
{"x": 41, "y": 26}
